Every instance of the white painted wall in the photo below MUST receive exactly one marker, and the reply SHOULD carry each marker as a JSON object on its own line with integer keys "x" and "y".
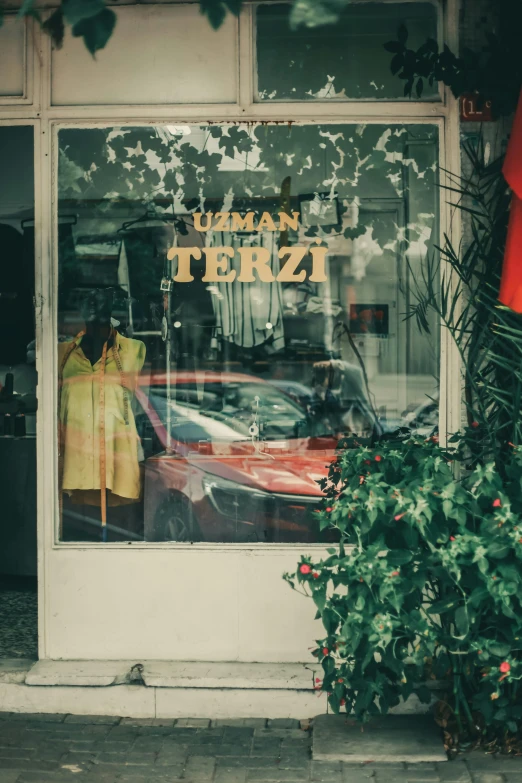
{"x": 179, "y": 604}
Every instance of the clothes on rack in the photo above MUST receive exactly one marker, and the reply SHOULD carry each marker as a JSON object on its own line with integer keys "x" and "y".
{"x": 85, "y": 407}
{"x": 145, "y": 249}
{"x": 16, "y": 295}
{"x": 248, "y": 314}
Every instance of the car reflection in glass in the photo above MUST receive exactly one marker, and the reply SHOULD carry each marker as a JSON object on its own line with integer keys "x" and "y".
{"x": 243, "y": 463}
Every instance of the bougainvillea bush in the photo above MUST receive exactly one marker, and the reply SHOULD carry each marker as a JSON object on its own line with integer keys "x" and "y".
{"x": 425, "y": 584}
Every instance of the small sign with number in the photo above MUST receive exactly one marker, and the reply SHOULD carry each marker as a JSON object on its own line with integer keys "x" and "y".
{"x": 473, "y": 109}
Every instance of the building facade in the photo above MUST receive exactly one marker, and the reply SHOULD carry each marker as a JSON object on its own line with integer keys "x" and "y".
{"x": 229, "y": 228}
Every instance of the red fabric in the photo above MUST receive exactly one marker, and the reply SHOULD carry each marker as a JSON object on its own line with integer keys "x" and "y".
{"x": 511, "y": 282}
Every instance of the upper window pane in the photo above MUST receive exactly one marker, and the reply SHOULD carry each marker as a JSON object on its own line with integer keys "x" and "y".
{"x": 342, "y": 61}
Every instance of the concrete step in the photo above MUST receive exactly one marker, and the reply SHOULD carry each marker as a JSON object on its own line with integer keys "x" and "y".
{"x": 167, "y": 689}
{"x": 175, "y": 674}
{"x": 389, "y": 739}
{"x": 163, "y": 689}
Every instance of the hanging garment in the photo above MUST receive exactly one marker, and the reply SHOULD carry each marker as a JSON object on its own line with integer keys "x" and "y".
{"x": 85, "y": 390}
{"x": 511, "y": 283}
{"x": 16, "y": 297}
{"x": 248, "y": 314}
{"x": 69, "y": 271}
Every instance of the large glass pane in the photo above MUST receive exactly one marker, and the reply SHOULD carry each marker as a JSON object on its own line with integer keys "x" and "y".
{"x": 231, "y": 303}
{"x": 340, "y": 61}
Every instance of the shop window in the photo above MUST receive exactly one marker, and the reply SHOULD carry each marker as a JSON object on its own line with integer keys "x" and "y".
{"x": 340, "y": 61}
{"x": 232, "y": 302}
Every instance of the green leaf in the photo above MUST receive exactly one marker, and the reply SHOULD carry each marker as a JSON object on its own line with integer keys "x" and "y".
{"x": 55, "y": 28}
{"x": 394, "y": 46}
{"x": 75, "y": 11}
{"x": 478, "y": 595}
{"x": 462, "y": 621}
{"x": 26, "y": 9}
{"x": 396, "y": 63}
{"x": 215, "y": 11}
{"x": 319, "y": 598}
{"x": 234, "y": 6}
{"x": 96, "y": 30}
{"x": 424, "y": 694}
{"x": 439, "y": 607}
{"x": 498, "y": 550}
{"x": 500, "y": 650}
{"x": 402, "y": 34}
{"x": 399, "y": 556}
{"x": 328, "y": 665}
{"x": 447, "y": 508}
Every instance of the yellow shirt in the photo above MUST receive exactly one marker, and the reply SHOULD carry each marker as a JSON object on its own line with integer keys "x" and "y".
{"x": 80, "y": 419}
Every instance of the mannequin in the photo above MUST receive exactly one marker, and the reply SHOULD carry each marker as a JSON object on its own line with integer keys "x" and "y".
{"x": 96, "y": 312}
{"x": 98, "y": 457}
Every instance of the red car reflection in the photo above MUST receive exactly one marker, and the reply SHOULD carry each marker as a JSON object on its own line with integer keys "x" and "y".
{"x": 220, "y": 478}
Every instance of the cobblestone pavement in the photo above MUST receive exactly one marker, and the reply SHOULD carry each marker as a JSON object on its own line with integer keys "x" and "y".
{"x": 62, "y": 749}
{"x": 18, "y": 617}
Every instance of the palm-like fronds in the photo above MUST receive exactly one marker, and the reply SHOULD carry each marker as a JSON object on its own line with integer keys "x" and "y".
{"x": 461, "y": 285}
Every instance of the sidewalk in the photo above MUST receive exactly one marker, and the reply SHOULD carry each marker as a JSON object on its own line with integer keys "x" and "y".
{"x": 62, "y": 749}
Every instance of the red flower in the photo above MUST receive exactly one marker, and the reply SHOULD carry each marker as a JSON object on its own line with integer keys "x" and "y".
{"x": 394, "y": 573}
{"x": 329, "y": 509}
{"x": 315, "y": 575}
{"x": 342, "y": 702}
{"x": 497, "y": 503}
{"x": 317, "y": 679}
{"x": 505, "y": 667}
{"x": 474, "y": 424}
{"x": 326, "y": 651}
{"x": 399, "y": 516}
{"x": 305, "y": 568}
{"x": 452, "y": 538}
{"x": 378, "y": 458}
{"x": 367, "y": 462}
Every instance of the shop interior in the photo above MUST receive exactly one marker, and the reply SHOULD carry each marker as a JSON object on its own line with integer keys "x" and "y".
{"x": 212, "y": 379}
{"x": 18, "y": 605}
